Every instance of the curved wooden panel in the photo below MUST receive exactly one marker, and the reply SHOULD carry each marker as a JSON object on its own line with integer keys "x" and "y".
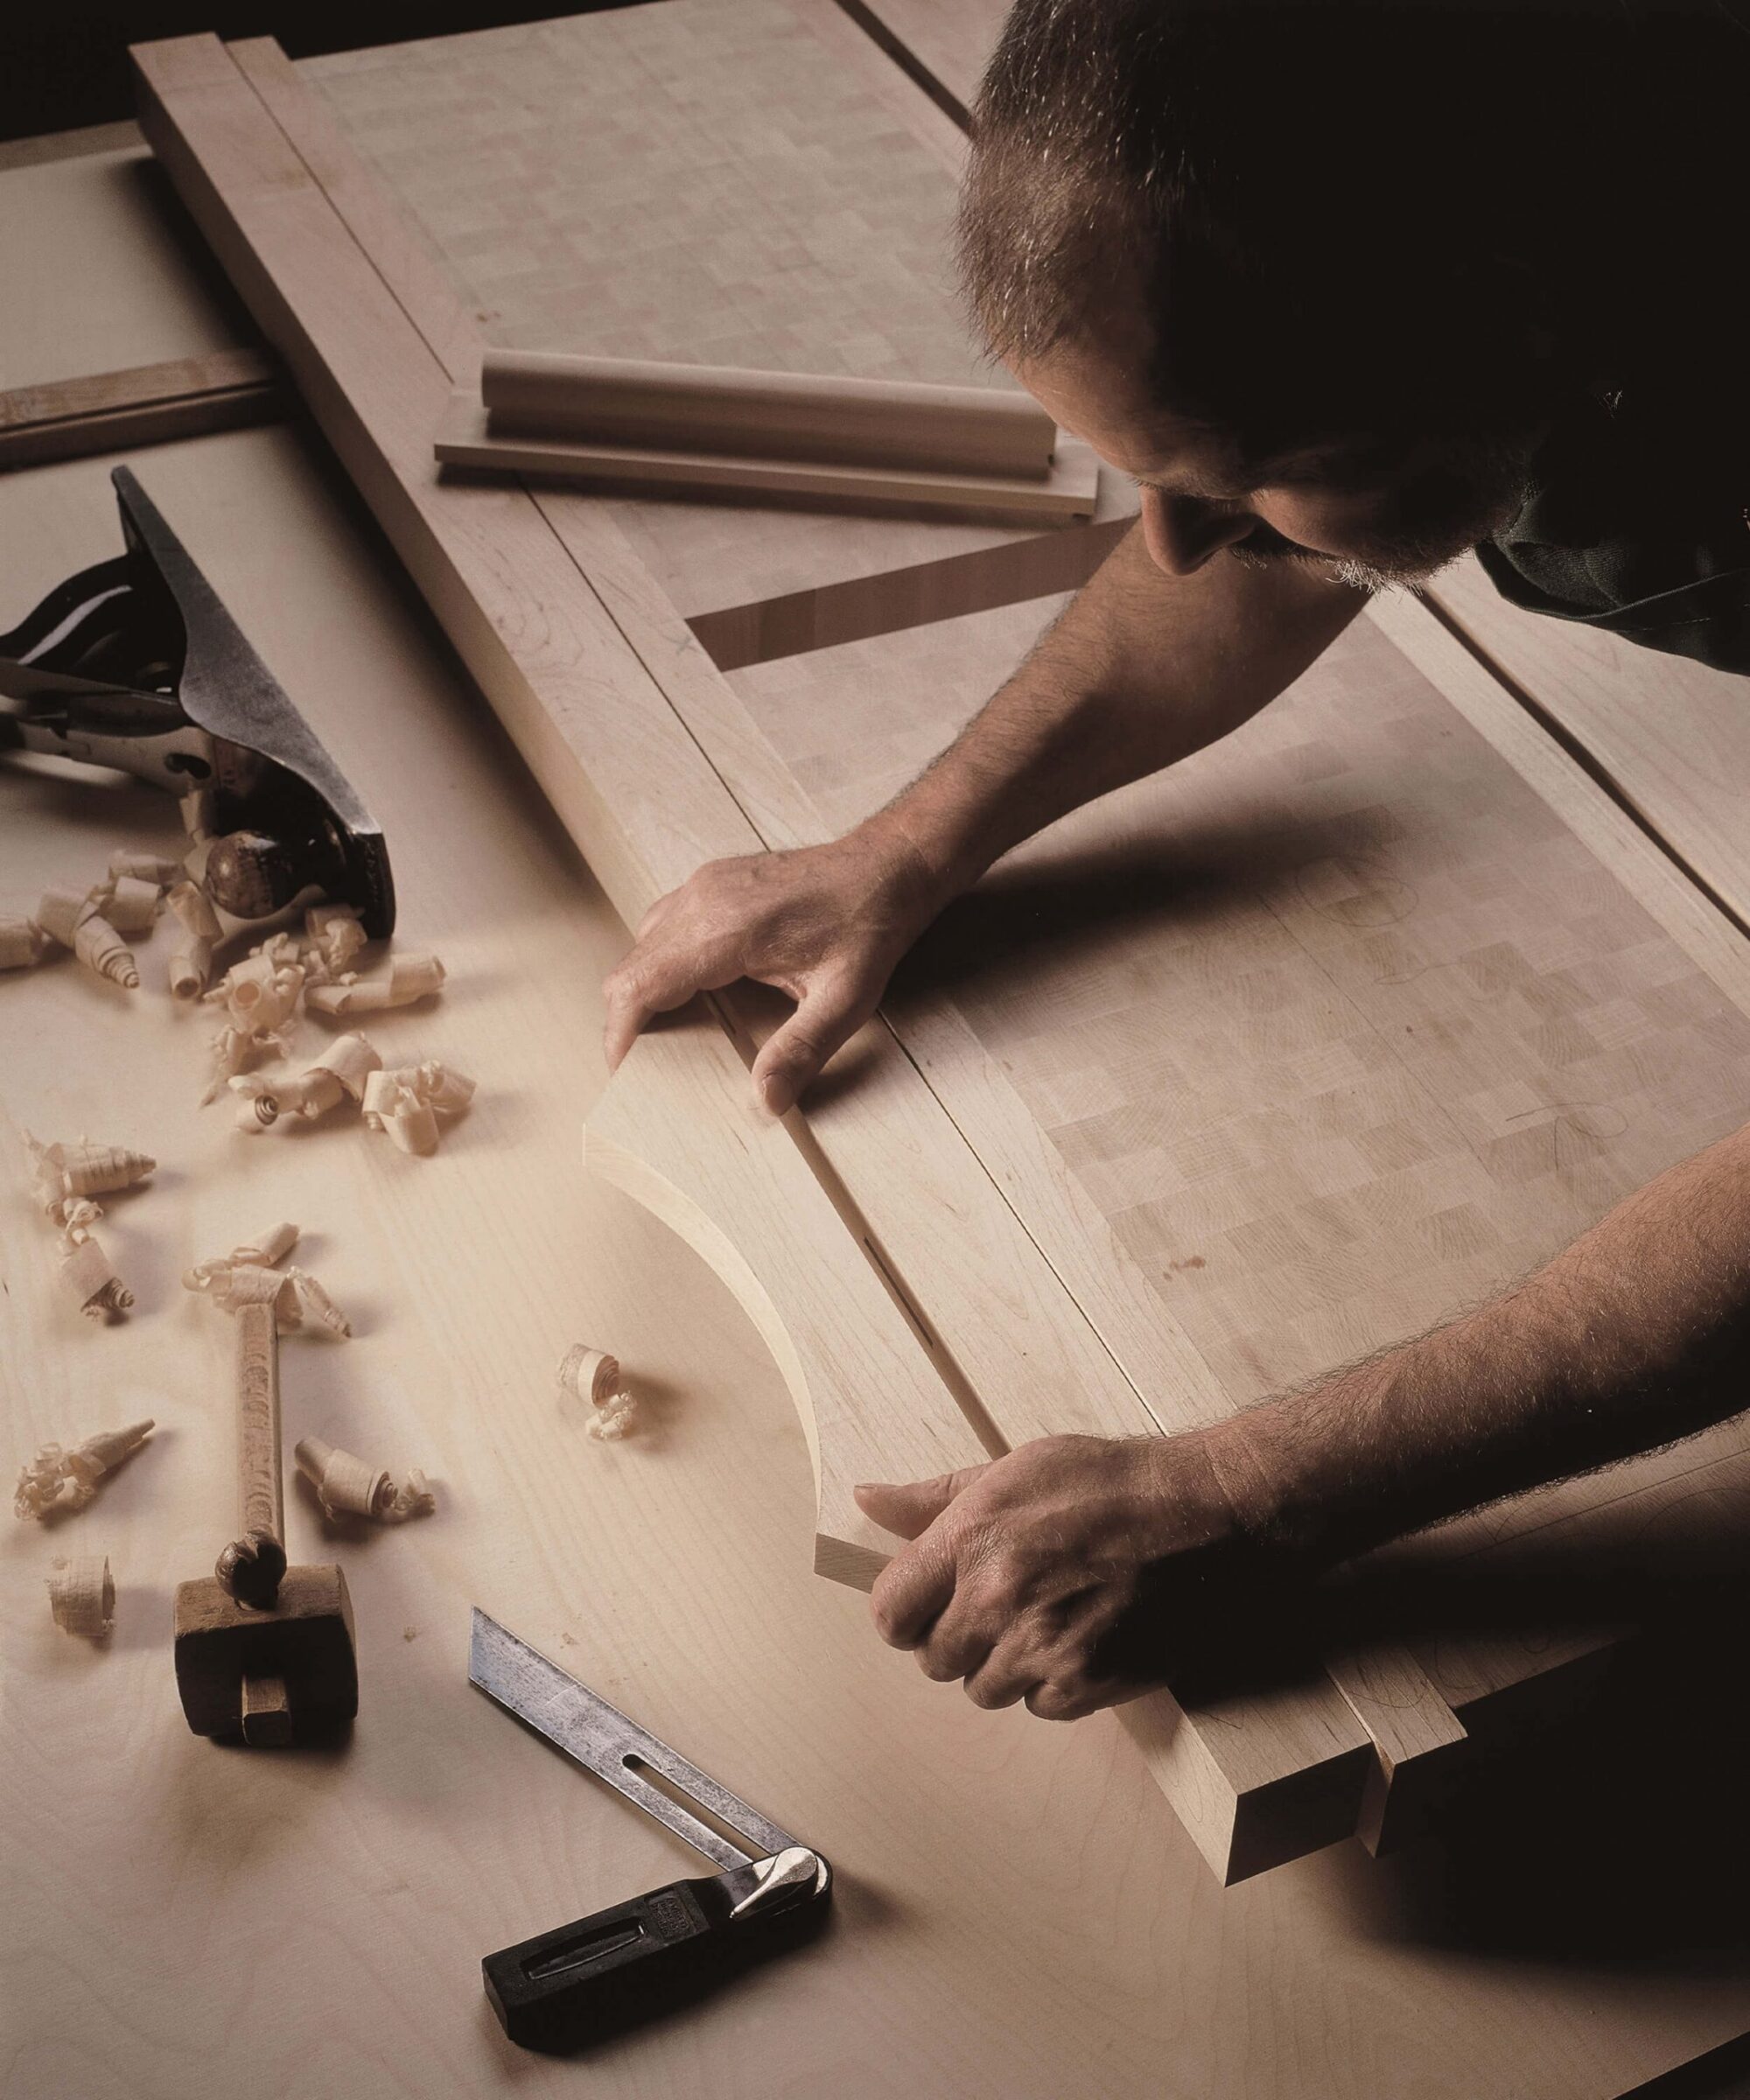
{"x": 677, "y": 1130}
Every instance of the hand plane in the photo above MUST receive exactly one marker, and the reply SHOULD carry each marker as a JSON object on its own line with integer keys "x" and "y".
{"x": 135, "y": 664}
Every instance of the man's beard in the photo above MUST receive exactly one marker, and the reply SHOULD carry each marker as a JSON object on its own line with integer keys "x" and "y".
{"x": 1471, "y": 492}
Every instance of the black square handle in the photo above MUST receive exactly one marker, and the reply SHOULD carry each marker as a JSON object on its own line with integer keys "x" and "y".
{"x": 624, "y": 1965}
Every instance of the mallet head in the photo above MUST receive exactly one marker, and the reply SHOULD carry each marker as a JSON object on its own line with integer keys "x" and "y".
{"x": 267, "y": 1676}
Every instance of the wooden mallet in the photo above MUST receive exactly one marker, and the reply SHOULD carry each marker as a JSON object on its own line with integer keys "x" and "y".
{"x": 265, "y": 1653}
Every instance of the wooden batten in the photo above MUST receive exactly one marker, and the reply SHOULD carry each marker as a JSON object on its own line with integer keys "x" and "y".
{"x": 146, "y": 404}
{"x": 469, "y": 439}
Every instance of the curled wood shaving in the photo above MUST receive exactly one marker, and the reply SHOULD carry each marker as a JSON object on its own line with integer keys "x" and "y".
{"x": 410, "y": 1102}
{"x": 348, "y": 1485}
{"x": 82, "y": 1596}
{"x": 407, "y": 979}
{"x": 58, "y": 1481}
{"x": 594, "y": 1375}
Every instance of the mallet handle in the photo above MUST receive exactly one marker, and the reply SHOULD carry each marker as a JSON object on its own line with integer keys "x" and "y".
{"x": 263, "y": 1490}
{"x": 251, "y": 1566}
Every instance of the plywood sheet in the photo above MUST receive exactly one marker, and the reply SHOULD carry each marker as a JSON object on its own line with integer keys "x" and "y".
{"x": 712, "y": 185}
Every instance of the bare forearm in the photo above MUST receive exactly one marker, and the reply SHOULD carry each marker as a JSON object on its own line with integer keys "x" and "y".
{"x": 1141, "y": 670}
{"x": 1632, "y": 1337}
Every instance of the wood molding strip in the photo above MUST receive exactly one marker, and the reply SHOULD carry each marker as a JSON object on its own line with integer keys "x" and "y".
{"x": 145, "y": 404}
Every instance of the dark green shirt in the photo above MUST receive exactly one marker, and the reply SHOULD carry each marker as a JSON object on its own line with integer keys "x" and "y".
{"x": 1639, "y": 521}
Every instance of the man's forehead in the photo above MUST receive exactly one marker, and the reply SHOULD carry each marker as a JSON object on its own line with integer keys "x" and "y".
{"x": 1104, "y": 397}
{"x": 1103, "y": 393}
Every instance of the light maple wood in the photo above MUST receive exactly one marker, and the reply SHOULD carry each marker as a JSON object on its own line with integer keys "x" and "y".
{"x": 1224, "y": 1851}
{"x": 677, "y": 1129}
{"x": 1672, "y": 737}
{"x": 1110, "y": 1070}
{"x": 1069, "y": 491}
{"x": 783, "y": 414}
{"x": 564, "y": 223}
{"x": 360, "y": 344}
{"x": 184, "y": 397}
{"x": 1015, "y": 1920}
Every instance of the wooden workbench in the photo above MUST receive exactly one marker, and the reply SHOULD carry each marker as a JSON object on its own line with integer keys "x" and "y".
{"x": 1015, "y": 1916}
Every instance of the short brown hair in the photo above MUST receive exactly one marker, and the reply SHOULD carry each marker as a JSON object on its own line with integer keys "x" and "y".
{"x": 1391, "y": 217}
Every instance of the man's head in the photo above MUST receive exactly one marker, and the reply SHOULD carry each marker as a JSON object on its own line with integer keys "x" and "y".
{"x": 1319, "y": 275}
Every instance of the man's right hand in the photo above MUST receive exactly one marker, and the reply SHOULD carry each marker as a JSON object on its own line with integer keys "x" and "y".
{"x": 824, "y": 924}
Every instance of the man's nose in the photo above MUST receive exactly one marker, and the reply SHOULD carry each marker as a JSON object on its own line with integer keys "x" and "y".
{"x": 1183, "y": 532}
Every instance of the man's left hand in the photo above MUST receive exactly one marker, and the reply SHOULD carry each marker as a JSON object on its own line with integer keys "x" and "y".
{"x": 1064, "y": 1574}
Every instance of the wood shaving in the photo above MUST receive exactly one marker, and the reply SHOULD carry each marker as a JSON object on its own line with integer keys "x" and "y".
{"x": 243, "y": 1278}
{"x": 349, "y": 1486}
{"x": 595, "y": 1376}
{"x": 64, "y": 1170}
{"x": 56, "y": 1482}
{"x": 617, "y": 1418}
{"x": 158, "y": 869}
{"x": 292, "y": 1292}
{"x": 130, "y": 905}
{"x": 64, "y": 1179}
{"x": 263, "y": 997}
{"x": 82, "y": 1596}
{"x": 332, "y": 937}
{"x": 23, "y": 943}
{"x": 410, "y": 1102}
{"x": 407, "y": 979}
{"x": 340, "y": 1073}
{"x": 191, "y": 958}
{"x": 75, "y": 919}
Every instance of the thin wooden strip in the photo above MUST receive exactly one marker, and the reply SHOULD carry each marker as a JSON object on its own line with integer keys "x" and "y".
{"x": 1069, "y": 491}
{"x": 252, "y": 194}
{"x": 860, "y": 608}
{"x": 77, "y": 145}
{"x": 139, "y": 386}
{"x": 146, "y": 404}
{"x": 1704, "y": 934}
{"x": 1670, "y": 736}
